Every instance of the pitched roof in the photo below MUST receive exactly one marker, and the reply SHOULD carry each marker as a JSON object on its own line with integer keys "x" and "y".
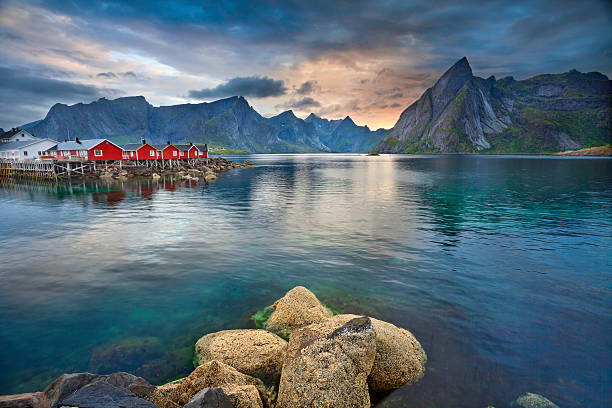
{"x": 134, "y": 146}
{"x": 161, "y": 146}
{"x": 21, "y": 144}
{"x": 185, "y": 147}
{"x": 9, "y": 133}
{"x": 83, "y": 145}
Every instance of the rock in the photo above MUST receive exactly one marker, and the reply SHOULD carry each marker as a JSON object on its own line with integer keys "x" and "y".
{"x": 29, "y": 400}
{"x": 328, "y": 370}
{"x": 243, "y": 396}
{"x": 210, "y": 398}
{"x": 209, "y": 375}
{"x": 155, "y": 176}
{"x": 298, "y": 308}
{"x": 530, "y": 400}
{"x": 210, "y": 177}
{"x": 105, "y": 395}
{"x": 66, "y": 384}
{"x": 138, "y": 385}
{"x": 400, "y": 359}
{"x": 257, "y": 353}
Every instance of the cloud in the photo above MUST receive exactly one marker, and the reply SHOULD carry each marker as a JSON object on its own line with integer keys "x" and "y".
{"x": 395, "y": 105}
{"x": 307, "y": 87}
{"x": 258, "y": 87}
{"x": 107, "y": 75}
{"x": 305, "y": 103}
{"x": 31, "y": 94}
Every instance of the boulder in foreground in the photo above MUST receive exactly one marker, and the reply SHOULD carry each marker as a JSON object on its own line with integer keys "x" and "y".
{"x": 105, "y": 395}
{"x": 328, "y": 370}
{"x": 257, "y": 353}
{"x": 298, "y": 308}
{"x": 530, "y": 400}
{"x": 28, "y": 400}
{"x": 213, "y": 374}
{"x": 209, "y": 398}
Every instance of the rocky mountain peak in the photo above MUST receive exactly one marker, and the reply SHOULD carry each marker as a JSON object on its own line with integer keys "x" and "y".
{"x": 348, "y": 121}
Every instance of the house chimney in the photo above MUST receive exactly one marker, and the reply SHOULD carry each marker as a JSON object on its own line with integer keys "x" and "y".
{"x": 144, "y": 141}
{"x": 168, "y": 142}
{"x": 76, "y": 139}
{"x": 190, "y": 143}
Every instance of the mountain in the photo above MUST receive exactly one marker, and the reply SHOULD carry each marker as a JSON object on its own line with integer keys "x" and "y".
{"x": 344, "y": 135}
{"x": 229, "y": 122}
{"x": 466, "y": 113}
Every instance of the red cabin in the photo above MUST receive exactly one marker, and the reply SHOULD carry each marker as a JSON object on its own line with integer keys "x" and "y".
{"x": 87, "y": 150}
{"x": 168, "y": 151}
{"x": 144, "y": 151}
{"x": 189, "y": 151}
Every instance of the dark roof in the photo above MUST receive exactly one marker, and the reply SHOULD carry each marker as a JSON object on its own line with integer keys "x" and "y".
{"x": 161, "y": 147}
{"x": 10, "y": 133}
{"x": 81, "y": 145}
{"x": 134, "y": 146}
{"x": 185, "y": 147}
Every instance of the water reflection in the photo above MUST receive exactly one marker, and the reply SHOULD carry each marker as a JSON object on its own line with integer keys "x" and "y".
{"x": 498, "y": 265}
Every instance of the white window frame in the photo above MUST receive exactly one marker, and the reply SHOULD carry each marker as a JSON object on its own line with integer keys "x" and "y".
{"x": 152, "y": 153}
{"x": 98, "y": 153}
{"x": 174, "y": 153}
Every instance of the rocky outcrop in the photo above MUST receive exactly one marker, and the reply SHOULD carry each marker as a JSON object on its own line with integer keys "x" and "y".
{"x": 209, "y": 398}
{"x": 529, "y": 400}
{"x": 465, "y": 113}
{"x": 243, "y": 396}
{"x": 67, "y": 385}
{"x": 213, "y": 374}
{"x": 298, "y": 308}
{"x": 105, "y": 395}
{"x": 28, "y": 400}
{"x": 328, "y": 370}
{"x": 258, "y": 353}
{"x": 400, "y": 360}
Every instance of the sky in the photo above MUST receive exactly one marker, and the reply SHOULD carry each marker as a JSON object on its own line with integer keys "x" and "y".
{"x": 366, "y": 59}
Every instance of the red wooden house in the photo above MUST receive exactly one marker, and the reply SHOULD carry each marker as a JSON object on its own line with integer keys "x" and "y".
{"x": 189, "y": 151}
{"x": 168, "y": 151}
{"x": 86, "y": 150}
{"x": 144, "y": 151}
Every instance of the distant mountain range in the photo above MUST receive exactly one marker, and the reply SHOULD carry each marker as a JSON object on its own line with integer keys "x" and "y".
{"x": 460, "y": 113}
{"x": 230, "y": 122}
{"x": 465, "y": 113}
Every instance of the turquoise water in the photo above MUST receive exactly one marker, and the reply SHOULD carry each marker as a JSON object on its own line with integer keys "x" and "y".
{"x": 499, "y": 265}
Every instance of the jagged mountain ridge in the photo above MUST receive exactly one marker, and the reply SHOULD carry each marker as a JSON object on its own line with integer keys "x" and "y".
{"x": 466, "y": 113}
{"x": 229, "y": 122}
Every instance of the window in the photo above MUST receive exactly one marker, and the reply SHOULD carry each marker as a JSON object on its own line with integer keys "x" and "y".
{"x": 25, "y": 153}
{"x": 174, "y": 153}
{"x": 131, "y": 153}
{"x": 152, "y": 153}
{"x": 98, "y": 153}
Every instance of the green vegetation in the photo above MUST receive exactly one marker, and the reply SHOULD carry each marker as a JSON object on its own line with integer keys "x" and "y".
{"x": 218, "y": 150}
{"x": 261, "y": 317}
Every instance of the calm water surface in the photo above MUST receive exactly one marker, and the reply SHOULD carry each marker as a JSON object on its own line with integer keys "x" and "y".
{"x": 499, "y": 265}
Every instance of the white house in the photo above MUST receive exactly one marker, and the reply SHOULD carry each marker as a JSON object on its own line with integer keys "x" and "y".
{"x": 16, "y": 135}
{"x": 25, "y": 149}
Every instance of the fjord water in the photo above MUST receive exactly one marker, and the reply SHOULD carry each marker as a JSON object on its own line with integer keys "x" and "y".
{"x": 499, "y": 265}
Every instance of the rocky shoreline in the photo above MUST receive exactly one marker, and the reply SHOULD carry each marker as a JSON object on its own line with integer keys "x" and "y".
{"x": 189, "y": 171}
{"x": 304, "y": 355}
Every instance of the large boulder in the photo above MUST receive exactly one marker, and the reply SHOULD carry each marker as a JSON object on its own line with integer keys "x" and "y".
{"x": 67, "y": 384}
{"x": 29, "y": 400}
{"x": 257, "y": 353}
{"x": 210, "y": 398}
{"x": 105, "y": 395}
{"x": 327, "y": 366}
{"x": 298, "y": 308}
{"x": 400, "y": 359}
{"x": 243, "y": 396}
{"x": 530, "y": 400}
{"x": 213, "y": 374}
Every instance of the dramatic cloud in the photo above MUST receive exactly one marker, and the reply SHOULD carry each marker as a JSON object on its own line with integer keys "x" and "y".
{"x": 259, "y": 87}
{"x": 36, "y": 93}
{"x": 346, "y": 56}
{"x": 304, "y": 104}
{"x": 307, "y": 88}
